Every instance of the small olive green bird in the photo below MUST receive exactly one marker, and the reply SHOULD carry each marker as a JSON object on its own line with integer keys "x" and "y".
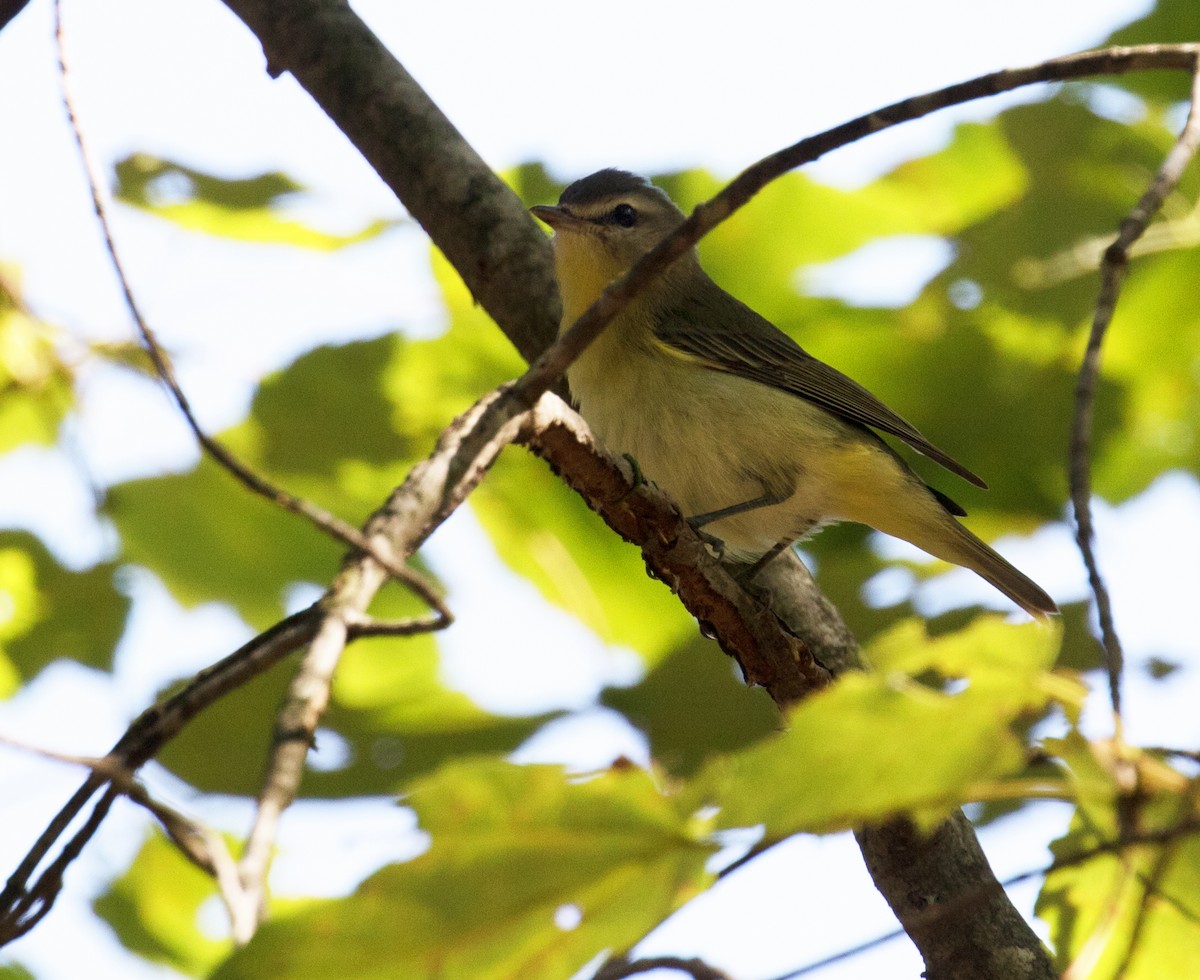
{"x": 757, "y": 441}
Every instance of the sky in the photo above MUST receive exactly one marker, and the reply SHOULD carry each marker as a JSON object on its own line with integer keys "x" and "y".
{"x": 642, "y": 85}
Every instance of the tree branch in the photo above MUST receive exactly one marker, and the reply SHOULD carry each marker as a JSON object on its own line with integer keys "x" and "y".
{"x": 9, "y": 9}
{"x": 370, "y": 96}
{"x": 620, "y": 967}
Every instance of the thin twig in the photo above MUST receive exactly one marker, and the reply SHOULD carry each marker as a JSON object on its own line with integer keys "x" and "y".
{"x": 841, "y": 955}
{"x": 205, "y": 848}
{"x": 329, "y": 523}
{"x": 1112, "y": 273}
{"x": 1109, "y": 61}
{"x": 430, "y": 493}
{"x": 620, "y": 967}
{"x": 359, "y": 625}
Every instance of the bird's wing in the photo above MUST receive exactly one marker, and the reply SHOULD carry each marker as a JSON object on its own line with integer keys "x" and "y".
{"x": 761, "y": 352}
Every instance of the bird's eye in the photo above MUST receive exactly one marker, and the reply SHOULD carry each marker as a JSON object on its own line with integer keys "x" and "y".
{"x": 624, "y": 215}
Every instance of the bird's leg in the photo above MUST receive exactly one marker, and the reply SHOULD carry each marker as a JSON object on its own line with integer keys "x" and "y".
{"x": 638, "y": 477}
{"x": 748, "y": 574}
{"x": 766, "y": 499}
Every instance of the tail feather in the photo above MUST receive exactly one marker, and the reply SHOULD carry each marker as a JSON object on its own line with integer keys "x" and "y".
{"x": 970, "y": 552}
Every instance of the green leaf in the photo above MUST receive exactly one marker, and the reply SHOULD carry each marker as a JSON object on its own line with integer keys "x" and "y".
{"x": 331, "y": 407}
{"x": 1169, "y": 22}
{"x": 512, "y": 847}
{"x": 874, "y": 744}
{"x": 210, "y": 539}
{"x": 1081, "y": 184}
{"x": 389, "y": 707}
{"x": 796, "y": 221}
{"x": 1153, "y": 351}
{"x": 401, "y": 721}
{"x": 245, "y": 209}
{"x": 1131, "y": 912}
{"x": 539, "y": 528}
{"x": 693, "y": 705}
{"x": 36, "y": 387}
{"x": 325, "y": 427}
{"x": 154, "y": 906}
{"x": 545, "y": 533}
{"x": 48, "y": 612}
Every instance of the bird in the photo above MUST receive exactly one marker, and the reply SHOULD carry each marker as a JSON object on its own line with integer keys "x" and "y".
{"x": 758, "y": 442}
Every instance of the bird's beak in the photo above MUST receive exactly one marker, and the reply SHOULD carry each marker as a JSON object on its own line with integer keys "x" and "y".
{"x": 556, "y": 217}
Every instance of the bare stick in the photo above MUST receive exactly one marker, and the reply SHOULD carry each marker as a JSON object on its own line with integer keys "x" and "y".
{"x": 199, "y": 844}
{"x": 430, "y": 493}
{"x": 1112, "y": 272}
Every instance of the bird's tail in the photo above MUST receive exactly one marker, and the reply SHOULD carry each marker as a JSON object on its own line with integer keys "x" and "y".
{"x": 960, "y": 546}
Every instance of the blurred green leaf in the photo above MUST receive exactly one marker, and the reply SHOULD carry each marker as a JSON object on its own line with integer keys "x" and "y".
{"x": 211, "y": 540}
{"x": 516, "y": 852}
{"x": 539, "y": 528}
{"x": 1168, "y": 22}
{"x": 1085, "y": 174}
{"x": 390, "y": 708}
{"x": 796, "y": 221}
{"x": 36, "y": 386}
{"x": 154, "y": 906}
{"x": 432, "y": 381}
{"x": 1153, "y": 351}
{"x": 545, "y": 533}
{"x": 401, "y": 721}
{"x": 247, "y": 209}
{"x": 1131, "y": 912}
{"x": 328, "y": 408}
{"x": 875, "y": 744}
{"x": 693, "y": 705}
{"x": 48, "y": 612}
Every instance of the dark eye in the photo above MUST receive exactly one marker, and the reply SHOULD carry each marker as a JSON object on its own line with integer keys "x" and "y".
{"x": 625, "y": 215}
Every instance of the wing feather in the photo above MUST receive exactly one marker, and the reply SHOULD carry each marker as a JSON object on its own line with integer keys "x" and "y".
{"x": 761, "y": 352}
